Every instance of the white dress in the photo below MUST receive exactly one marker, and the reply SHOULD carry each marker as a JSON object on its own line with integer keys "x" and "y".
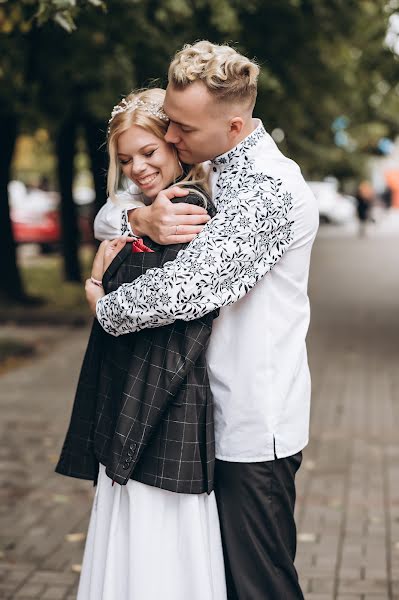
{"x": 145, "y": 543}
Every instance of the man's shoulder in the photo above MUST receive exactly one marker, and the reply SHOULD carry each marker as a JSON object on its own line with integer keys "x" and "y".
{"x": 275, "y": 168}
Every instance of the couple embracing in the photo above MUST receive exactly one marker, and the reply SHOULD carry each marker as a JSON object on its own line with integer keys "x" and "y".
{"x": 192, "y": 406}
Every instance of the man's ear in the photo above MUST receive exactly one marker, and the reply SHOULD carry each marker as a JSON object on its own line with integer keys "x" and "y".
{"x": 236, "y": 126}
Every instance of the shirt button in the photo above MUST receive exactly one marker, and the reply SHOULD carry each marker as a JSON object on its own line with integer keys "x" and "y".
{"x": 214, "y": 169}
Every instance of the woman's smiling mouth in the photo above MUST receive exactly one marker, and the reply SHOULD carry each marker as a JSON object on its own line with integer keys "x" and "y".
{"x": 147, "y": 180}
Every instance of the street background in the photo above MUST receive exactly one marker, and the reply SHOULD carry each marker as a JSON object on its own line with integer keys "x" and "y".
{"x": 348, "y": 485}
{"x": 329, "y": 96}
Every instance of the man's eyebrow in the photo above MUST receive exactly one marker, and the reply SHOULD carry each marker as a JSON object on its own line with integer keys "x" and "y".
{"x": 181, "y": 124}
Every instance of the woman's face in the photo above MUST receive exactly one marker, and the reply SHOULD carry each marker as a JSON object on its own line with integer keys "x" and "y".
{"x": 148, "y": 161}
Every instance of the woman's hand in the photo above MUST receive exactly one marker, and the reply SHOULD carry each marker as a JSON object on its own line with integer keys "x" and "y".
{"x": 112, "y": 248}
{"x": 93, "y": 293}
{"x": 106, "y": 253}
{"x": 97, "y": 270}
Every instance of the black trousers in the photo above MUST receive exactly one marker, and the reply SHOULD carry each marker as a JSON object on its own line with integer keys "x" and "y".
{"x": 256, "y": 509}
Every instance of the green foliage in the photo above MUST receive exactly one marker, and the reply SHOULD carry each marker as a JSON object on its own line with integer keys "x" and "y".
{"x": 22, "y": 15}
{"x": 320, "y": 59}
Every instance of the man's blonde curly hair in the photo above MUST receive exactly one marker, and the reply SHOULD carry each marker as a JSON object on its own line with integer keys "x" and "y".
{"x": 228, "y": 75}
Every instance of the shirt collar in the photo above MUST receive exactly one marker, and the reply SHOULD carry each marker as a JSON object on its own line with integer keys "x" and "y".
{"x": 241, "y": 150}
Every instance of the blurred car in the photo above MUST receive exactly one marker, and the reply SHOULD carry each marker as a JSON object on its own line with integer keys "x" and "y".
{"x": 35, "y": 216}
{"x": 334, "y": 207}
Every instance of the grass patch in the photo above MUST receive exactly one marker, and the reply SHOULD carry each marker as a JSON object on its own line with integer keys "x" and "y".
{"x": 13, "y": 352}
{"x": 62, "y": 302}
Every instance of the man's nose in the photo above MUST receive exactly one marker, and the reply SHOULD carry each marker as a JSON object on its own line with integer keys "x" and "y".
{"x": 171, "y": 135}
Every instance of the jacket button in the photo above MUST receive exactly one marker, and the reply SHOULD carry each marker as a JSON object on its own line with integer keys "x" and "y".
{"x": 125, "y": 466}
{"x": 133, "y": 446}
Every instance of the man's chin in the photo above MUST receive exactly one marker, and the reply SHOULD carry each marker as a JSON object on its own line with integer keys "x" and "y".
{"x": 184, "y": 156}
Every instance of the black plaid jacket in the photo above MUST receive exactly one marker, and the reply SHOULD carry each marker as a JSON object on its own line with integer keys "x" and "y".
{"x": 143, "y": 406}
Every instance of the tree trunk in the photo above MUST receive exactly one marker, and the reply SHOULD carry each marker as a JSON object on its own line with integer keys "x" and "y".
{"x": 65, "y": 148}
{"x": 10, "y": 279}
{"x": 96, "y": 145}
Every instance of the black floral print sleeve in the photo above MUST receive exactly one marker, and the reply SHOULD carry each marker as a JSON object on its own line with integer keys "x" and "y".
{"x": 249, "y": 234}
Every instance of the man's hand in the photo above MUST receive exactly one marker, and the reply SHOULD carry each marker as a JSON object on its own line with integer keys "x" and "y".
{"x": 167, "y": 223}
{"x": 93, "y": 293}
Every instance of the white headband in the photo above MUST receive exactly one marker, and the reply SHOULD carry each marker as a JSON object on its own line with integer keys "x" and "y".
{"x": 152, "y": 108}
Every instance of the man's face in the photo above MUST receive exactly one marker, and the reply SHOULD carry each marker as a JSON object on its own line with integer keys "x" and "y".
{"x": 199, "y": 125}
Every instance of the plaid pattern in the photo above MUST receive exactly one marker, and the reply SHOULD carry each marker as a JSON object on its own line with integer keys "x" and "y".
{"x": 143, "y": 406}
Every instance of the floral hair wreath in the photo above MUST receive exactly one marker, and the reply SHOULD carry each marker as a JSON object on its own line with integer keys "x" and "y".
{"x": 152, "y": 108}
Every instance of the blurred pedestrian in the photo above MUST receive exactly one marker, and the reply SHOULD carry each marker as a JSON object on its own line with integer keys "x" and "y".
{"x": 386, "y": 197}
{"x": 365, "y": 198}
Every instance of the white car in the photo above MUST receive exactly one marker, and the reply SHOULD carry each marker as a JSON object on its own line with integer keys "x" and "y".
{"x": 333, "y": 207}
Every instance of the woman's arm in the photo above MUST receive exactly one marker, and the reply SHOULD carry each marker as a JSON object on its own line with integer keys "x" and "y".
{"x": 112, "y": 219}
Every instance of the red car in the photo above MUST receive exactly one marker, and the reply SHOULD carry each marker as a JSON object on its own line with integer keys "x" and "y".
{"x": 35, "y": 217}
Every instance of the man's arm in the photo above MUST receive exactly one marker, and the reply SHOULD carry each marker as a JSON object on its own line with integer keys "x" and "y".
{"x": 158, "y": 221}
{"x": 234, "y": 251}
{"x": 168, "y": 223}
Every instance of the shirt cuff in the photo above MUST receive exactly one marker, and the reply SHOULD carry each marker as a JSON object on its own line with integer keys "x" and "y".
{"x": 105, "y": 306}
{"x": 125, "y": 224}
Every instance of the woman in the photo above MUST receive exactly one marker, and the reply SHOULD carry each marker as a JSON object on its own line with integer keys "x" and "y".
{"x": 142, "y": 419}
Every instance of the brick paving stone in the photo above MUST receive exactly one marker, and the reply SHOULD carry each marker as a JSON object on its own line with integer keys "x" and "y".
{"x": 348, "y": 485}
{"x": 312, "y": 596}
{"x": 7, "y": 589}
{"x": 30, "y": 590}
{"x": 363, "y": 586}
{"x": 54, "y": 593}
{"x": 324, "y": 586}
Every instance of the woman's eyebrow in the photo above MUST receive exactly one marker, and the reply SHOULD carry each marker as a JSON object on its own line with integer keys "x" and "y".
{"x": 140, "y": 149}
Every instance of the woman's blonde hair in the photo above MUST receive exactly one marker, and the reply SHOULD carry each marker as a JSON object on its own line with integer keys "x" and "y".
{"x": 142, "y": 108}
{"x": 227, "y": 74}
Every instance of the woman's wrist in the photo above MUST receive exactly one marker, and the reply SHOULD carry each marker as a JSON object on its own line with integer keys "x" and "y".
{"x": 136, "y": 218}
{"x": 96, "y": 281}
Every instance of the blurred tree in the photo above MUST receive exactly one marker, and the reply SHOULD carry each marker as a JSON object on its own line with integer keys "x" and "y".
{"x": 322, "y": 60}
{"x": 18, "y": 103}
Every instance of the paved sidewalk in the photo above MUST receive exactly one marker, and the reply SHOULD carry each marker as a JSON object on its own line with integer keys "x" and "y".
{"x": 348, "y": 486}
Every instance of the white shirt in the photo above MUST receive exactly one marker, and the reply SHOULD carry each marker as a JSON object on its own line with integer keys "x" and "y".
{"x": 252, "y": 259}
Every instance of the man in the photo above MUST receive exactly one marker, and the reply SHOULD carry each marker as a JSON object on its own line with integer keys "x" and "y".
{"x": 252, "y": 261}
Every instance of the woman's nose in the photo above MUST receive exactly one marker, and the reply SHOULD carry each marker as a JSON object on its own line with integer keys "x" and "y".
{"x": 138, "y": 167}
